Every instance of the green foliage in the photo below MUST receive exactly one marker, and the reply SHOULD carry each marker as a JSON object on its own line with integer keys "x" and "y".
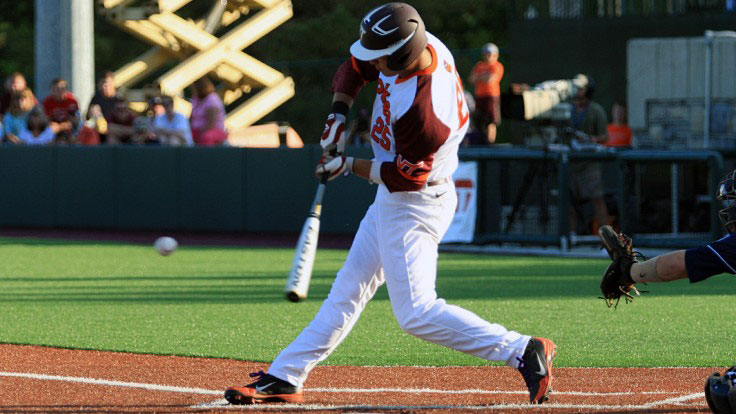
{"x": 228, "y": 302}
{"x": 16, "y": 39}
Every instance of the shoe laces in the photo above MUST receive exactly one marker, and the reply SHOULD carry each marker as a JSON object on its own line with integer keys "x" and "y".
{"x": 258, "y": 374}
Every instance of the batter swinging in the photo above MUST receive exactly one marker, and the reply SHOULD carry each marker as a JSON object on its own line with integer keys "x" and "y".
{"x": 419, "y": 119}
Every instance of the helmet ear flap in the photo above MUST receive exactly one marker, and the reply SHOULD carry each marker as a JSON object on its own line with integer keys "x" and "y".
{"x": 401, "y": 58}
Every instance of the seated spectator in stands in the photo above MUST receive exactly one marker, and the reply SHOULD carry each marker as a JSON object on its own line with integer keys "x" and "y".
{"x": 15, "y": 120}
{"x": 102, "y": 105}
{"x": 94, "y": 129}
{"x": 619, "y": 133}
{"x": 15, "y": 83}
{"x": 39, "y": 131}
{"x": 208, "y": 114}
{"x": 106, "y": 96}
{"x": 120, "y": 125}
{"x": 155, "y": 107}
{"x": 172, "y": 128}
{"x": 143, "y": 131}
{"x": 60, "y": 107}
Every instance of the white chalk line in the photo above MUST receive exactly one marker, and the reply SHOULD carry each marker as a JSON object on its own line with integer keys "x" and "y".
{"x": 311, "y": 407}
{"x": 220, "y": 404}
{"x": 96, "y": 381}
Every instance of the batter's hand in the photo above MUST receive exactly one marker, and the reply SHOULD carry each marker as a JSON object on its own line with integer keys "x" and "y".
{"x": 333, "y": 137}
{"x": 334, "y": 166}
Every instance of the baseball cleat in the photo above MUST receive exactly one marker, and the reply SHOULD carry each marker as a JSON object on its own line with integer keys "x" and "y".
{"x": 266, "y": 389}
{"x": 536, "y": 368}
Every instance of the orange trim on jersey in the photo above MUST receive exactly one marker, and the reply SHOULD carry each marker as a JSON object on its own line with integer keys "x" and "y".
{"x": 355, "y": 65}
{"x": 426, "y": 71}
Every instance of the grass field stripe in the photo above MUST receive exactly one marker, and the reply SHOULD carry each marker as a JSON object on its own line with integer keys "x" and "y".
{"x": 95, "y": 381}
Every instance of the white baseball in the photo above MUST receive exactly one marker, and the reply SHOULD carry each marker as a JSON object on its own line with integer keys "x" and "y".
{"x": 165, "y": 245}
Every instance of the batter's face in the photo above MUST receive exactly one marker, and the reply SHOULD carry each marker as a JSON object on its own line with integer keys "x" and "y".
{"x": 382, "y": 65}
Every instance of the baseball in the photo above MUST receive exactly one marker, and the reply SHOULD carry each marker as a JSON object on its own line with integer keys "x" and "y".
{"x": 165, "y": 245}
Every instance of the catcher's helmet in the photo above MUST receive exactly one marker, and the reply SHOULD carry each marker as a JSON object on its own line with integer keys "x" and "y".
{"x": 720, "y": 392}
{"x": 395, "y": 30}
{"x": 727, "y": 192}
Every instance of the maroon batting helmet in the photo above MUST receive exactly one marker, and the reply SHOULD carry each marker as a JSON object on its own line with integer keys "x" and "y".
{"x": 395, "y": 30}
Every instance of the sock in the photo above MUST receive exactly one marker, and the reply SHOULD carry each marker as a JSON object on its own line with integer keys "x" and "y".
{"x": 646, "y": 271}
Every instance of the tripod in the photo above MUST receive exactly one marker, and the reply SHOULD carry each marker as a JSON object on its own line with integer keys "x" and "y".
{"x": 540, "y": 173}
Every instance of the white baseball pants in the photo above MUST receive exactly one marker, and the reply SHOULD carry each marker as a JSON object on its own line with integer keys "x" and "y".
{"x": 397, "y": 243}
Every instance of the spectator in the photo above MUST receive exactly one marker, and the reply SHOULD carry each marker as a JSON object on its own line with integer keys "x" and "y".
{"x": 15, "y": 83}
{"x": 589, "y": 119}
{"x": 105, "y": 98}
{"x": 155, "y": 107}
{"x": 172, "y": 128}
{"x": 208, "y": 114}
{"x": 39, "y": 131}
{"x": 61, "y": 107}
{"x": 486, "y": 75}
{"x": 16, "y": 119}
{"x": 143, "y": 131}
{"x": 120, "y": 125}
{"x": 619, "y": 133}
{"x": 94, "y": 130}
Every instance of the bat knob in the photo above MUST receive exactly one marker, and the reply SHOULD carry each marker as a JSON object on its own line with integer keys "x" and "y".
{"x": 292, "y": 296}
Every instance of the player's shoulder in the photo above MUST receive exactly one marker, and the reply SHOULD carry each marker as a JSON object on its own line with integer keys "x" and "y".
{"x": 440, "y": 48}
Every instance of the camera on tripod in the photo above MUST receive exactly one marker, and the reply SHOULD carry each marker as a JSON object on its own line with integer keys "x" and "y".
{"x": 546, "y": 112}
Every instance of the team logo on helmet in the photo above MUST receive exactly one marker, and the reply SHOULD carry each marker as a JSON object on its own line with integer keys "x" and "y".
{"x": 380, "y": 31}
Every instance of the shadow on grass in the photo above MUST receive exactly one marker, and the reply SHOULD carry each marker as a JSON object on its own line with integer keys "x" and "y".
{"x": 269, "y": 288}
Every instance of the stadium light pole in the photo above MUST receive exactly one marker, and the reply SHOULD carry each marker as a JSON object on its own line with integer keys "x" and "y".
{"x": 64, "y": 46}
{"x": 709, "y": 36}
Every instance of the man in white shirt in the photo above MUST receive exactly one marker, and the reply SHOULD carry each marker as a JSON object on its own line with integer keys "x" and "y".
{"x": 172, "y": 128}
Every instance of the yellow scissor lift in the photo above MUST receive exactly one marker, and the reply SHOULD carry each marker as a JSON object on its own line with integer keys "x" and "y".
{"x": 202, "y": 53}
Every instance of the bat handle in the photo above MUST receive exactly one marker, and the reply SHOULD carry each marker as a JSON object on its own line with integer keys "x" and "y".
{"x": 323, "y": 179}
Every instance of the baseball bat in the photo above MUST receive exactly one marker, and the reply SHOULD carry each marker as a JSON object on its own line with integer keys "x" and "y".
{"x": 306, "y": 248}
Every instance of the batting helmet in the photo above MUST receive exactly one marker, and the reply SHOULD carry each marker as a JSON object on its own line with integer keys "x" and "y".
{"x": 727, "y": 192}
{"x": 395, "y": 30}
{"x": 720, "y": 392}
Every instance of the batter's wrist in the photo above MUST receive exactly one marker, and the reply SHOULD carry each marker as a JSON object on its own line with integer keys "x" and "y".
{"x": 375, "y": 176}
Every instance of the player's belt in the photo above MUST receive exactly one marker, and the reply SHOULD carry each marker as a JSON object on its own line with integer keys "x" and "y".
{"x": 438, "y": 182}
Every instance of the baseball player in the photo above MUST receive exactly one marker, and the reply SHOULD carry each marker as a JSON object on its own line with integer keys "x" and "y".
{"x": 696, "y": 264}
{"x": 419, "y": 118}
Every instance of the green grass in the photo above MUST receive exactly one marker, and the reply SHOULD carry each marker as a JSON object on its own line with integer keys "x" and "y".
{"x": 228, "y": 302}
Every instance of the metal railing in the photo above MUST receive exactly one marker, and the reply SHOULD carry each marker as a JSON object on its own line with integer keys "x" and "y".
{"x": 575, "y": 9}
{"x": 524, "y": 194}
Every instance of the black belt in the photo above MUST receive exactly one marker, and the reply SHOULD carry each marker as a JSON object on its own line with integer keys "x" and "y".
{"x": 438, "y": 182}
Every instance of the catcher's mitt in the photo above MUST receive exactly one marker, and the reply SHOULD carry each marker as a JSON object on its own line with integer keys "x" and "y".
{"x": 616, "y": 280}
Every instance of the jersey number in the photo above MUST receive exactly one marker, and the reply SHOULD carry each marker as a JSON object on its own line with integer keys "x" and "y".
{"x": 380, "y": 133}
{"x": 460, "y": 96}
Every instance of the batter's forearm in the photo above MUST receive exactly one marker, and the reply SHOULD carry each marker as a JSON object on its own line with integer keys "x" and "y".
{"x": 362, "y": 168}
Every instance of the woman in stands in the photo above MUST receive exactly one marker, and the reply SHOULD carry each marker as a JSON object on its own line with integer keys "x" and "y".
{"x": 208, "y": 114}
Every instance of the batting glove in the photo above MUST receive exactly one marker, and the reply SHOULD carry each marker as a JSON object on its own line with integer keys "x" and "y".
{"x": 334, "y": 166}
{"x": 333, "y": 137}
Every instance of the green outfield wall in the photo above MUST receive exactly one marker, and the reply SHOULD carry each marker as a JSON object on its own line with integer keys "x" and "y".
{"x": 154, "y": 188}
{"x": 519, "y": 199}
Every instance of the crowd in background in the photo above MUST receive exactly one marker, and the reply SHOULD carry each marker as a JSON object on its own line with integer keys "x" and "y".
{"x": 108, "y": 119}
